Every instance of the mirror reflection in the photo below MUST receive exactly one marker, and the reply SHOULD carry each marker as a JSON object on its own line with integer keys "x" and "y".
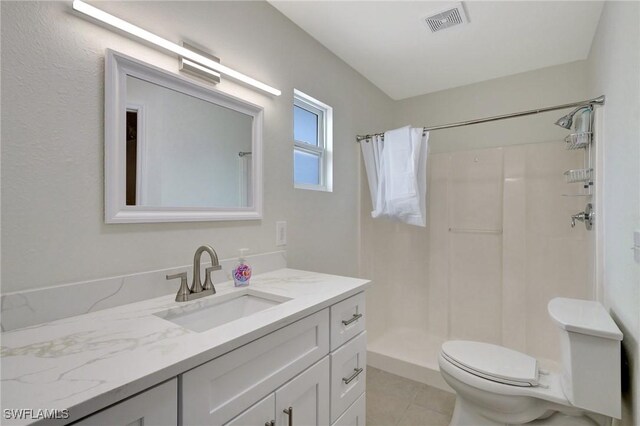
{"x": 182, "y": 151}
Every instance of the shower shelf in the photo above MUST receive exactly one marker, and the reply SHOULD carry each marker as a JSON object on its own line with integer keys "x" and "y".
{"x": 578, "y": 175}
{"x": 578, "y": 140}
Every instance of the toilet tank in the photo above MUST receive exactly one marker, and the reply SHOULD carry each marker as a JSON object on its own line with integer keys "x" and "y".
{"x": 590, "y": 346}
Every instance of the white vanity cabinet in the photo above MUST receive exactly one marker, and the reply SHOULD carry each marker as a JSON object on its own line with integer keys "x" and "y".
{"x": 309, "y": 373}
{"x": 157, "y": 406}
{"x": 348, "y": 361}
{"x": 302, "y": 401}
{"x": 217, "y": 391}
{"x": 300, "y": 360}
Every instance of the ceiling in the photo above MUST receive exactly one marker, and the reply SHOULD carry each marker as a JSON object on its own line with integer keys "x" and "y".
{"x": 387, "y": 42}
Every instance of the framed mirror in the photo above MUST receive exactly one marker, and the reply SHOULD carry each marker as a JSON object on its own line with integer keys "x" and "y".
{"x": 177, "y": 150}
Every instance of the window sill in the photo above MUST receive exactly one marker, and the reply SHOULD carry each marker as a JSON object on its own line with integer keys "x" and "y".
{"x": 320, "y": 188}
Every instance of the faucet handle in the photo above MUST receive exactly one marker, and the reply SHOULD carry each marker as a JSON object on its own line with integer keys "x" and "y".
{"x": 578, "y": 216}
{"x": 182, "y": 275}
{"x": 587, "y": 216}
{"x": 183, "y": 291}
{"x": 208, "y": 283}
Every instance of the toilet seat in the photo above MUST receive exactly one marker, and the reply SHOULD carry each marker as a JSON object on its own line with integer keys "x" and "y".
{"x": 492, "y": 362}
{"x": 549, "y": 387}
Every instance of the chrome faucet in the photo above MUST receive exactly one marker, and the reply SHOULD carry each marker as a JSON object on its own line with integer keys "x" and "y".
{"x": 198, "y": 289}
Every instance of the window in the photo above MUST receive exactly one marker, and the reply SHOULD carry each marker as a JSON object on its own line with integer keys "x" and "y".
{"x": 313, "y": 140}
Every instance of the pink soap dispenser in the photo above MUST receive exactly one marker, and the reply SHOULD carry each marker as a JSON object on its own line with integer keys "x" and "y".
{"x": 242, "y": 272}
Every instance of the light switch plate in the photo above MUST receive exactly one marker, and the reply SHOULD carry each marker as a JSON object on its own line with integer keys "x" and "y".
{"x": 281, "y": 233}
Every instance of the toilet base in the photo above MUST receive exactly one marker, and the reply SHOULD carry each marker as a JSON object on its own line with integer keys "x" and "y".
{"x": 465, "y": 414}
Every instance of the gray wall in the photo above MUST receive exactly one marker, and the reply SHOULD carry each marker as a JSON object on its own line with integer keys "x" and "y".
{"x": 613, "y": 67}
{"x": 53, "y": 229}
{"x": 519, "y": 92}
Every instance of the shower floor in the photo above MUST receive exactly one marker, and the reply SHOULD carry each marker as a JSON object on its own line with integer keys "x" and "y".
{"x": 409, "y": 353}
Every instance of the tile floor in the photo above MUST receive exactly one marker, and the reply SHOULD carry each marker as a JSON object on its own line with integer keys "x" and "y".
{"x": 395, "y": 401}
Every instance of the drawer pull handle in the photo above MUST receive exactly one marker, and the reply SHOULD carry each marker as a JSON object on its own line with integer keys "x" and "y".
{"x": 355, "y": 317}
{"x": 356, "y": 372}
{"x": 271, "y": 423}
{"x": 289, "y": 412}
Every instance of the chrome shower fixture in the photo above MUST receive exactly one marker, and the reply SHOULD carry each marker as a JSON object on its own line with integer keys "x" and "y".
{"x": 567, "y": 120}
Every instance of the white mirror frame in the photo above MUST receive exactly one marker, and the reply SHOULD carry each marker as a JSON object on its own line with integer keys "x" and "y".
{"x": 117, "y": 67}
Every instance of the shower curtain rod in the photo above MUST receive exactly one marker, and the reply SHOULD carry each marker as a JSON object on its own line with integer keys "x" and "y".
{"x": 595, "y": 101}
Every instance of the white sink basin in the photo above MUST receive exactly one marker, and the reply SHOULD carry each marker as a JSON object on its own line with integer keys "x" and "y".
{"x": 218, "y": 310}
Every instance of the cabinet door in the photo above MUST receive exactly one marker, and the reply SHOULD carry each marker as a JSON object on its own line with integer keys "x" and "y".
{"x": 260, "y": 414}
{"x": 355, "y": 415}
{"x": 305, "y": 398}
{"x": 156, "y": 406}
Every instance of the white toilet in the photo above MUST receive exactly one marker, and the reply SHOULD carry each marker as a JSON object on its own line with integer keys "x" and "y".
{"x": 500, "y": 386}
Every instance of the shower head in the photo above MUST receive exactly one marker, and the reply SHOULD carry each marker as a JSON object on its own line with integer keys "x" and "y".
{"x": 567, "y": 120}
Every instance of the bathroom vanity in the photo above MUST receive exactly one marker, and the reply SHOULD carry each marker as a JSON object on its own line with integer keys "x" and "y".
{"x": 298, "y": 356}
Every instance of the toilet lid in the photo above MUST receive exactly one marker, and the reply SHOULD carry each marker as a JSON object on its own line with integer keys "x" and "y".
{"x": 492, "y": 362}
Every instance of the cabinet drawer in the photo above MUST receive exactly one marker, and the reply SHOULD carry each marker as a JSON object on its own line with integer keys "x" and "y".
{"x": 260, "y": 414}
{"x": 348, "y": 374}
{"x": 355, "y": 415}
{"x": 156, "y": 406}
{"x": 347, "y": 320}
{"x": 216, "y": 392}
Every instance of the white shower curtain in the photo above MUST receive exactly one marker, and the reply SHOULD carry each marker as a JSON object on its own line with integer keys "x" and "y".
{"x": 396, "y": 169}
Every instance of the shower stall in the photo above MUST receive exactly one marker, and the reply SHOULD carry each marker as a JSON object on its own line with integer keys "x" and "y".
{"x": 497, "y": 247}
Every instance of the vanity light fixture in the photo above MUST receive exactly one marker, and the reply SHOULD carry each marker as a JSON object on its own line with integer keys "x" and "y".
{"x": 201, "y": 68}
{"x": 125, "y": 26}
{"x": 196, "y": 69}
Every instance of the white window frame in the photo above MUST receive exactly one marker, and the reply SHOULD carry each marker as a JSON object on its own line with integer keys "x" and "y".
{"x": 325, "y": 140}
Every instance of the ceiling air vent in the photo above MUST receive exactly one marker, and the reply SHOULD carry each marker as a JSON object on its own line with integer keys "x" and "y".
{"x": 446, "y": 19}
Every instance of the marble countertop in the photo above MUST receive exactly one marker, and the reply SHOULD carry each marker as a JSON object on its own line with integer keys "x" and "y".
{"x": 87, "y": 362}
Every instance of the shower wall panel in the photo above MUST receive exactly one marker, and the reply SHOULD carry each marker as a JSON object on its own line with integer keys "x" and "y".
{"x": 475, "y": 182}
{"x": 475, "y": 279}
{"x": 557, "y": 255}
{"x": 514, "y": 254}
{"x": 475, "y": 244}
{"x": 436, "y": 284}
{"x": 493, "y": 284}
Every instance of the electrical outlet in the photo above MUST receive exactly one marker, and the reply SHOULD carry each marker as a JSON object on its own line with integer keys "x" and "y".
{"x": 281, "y": 233}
